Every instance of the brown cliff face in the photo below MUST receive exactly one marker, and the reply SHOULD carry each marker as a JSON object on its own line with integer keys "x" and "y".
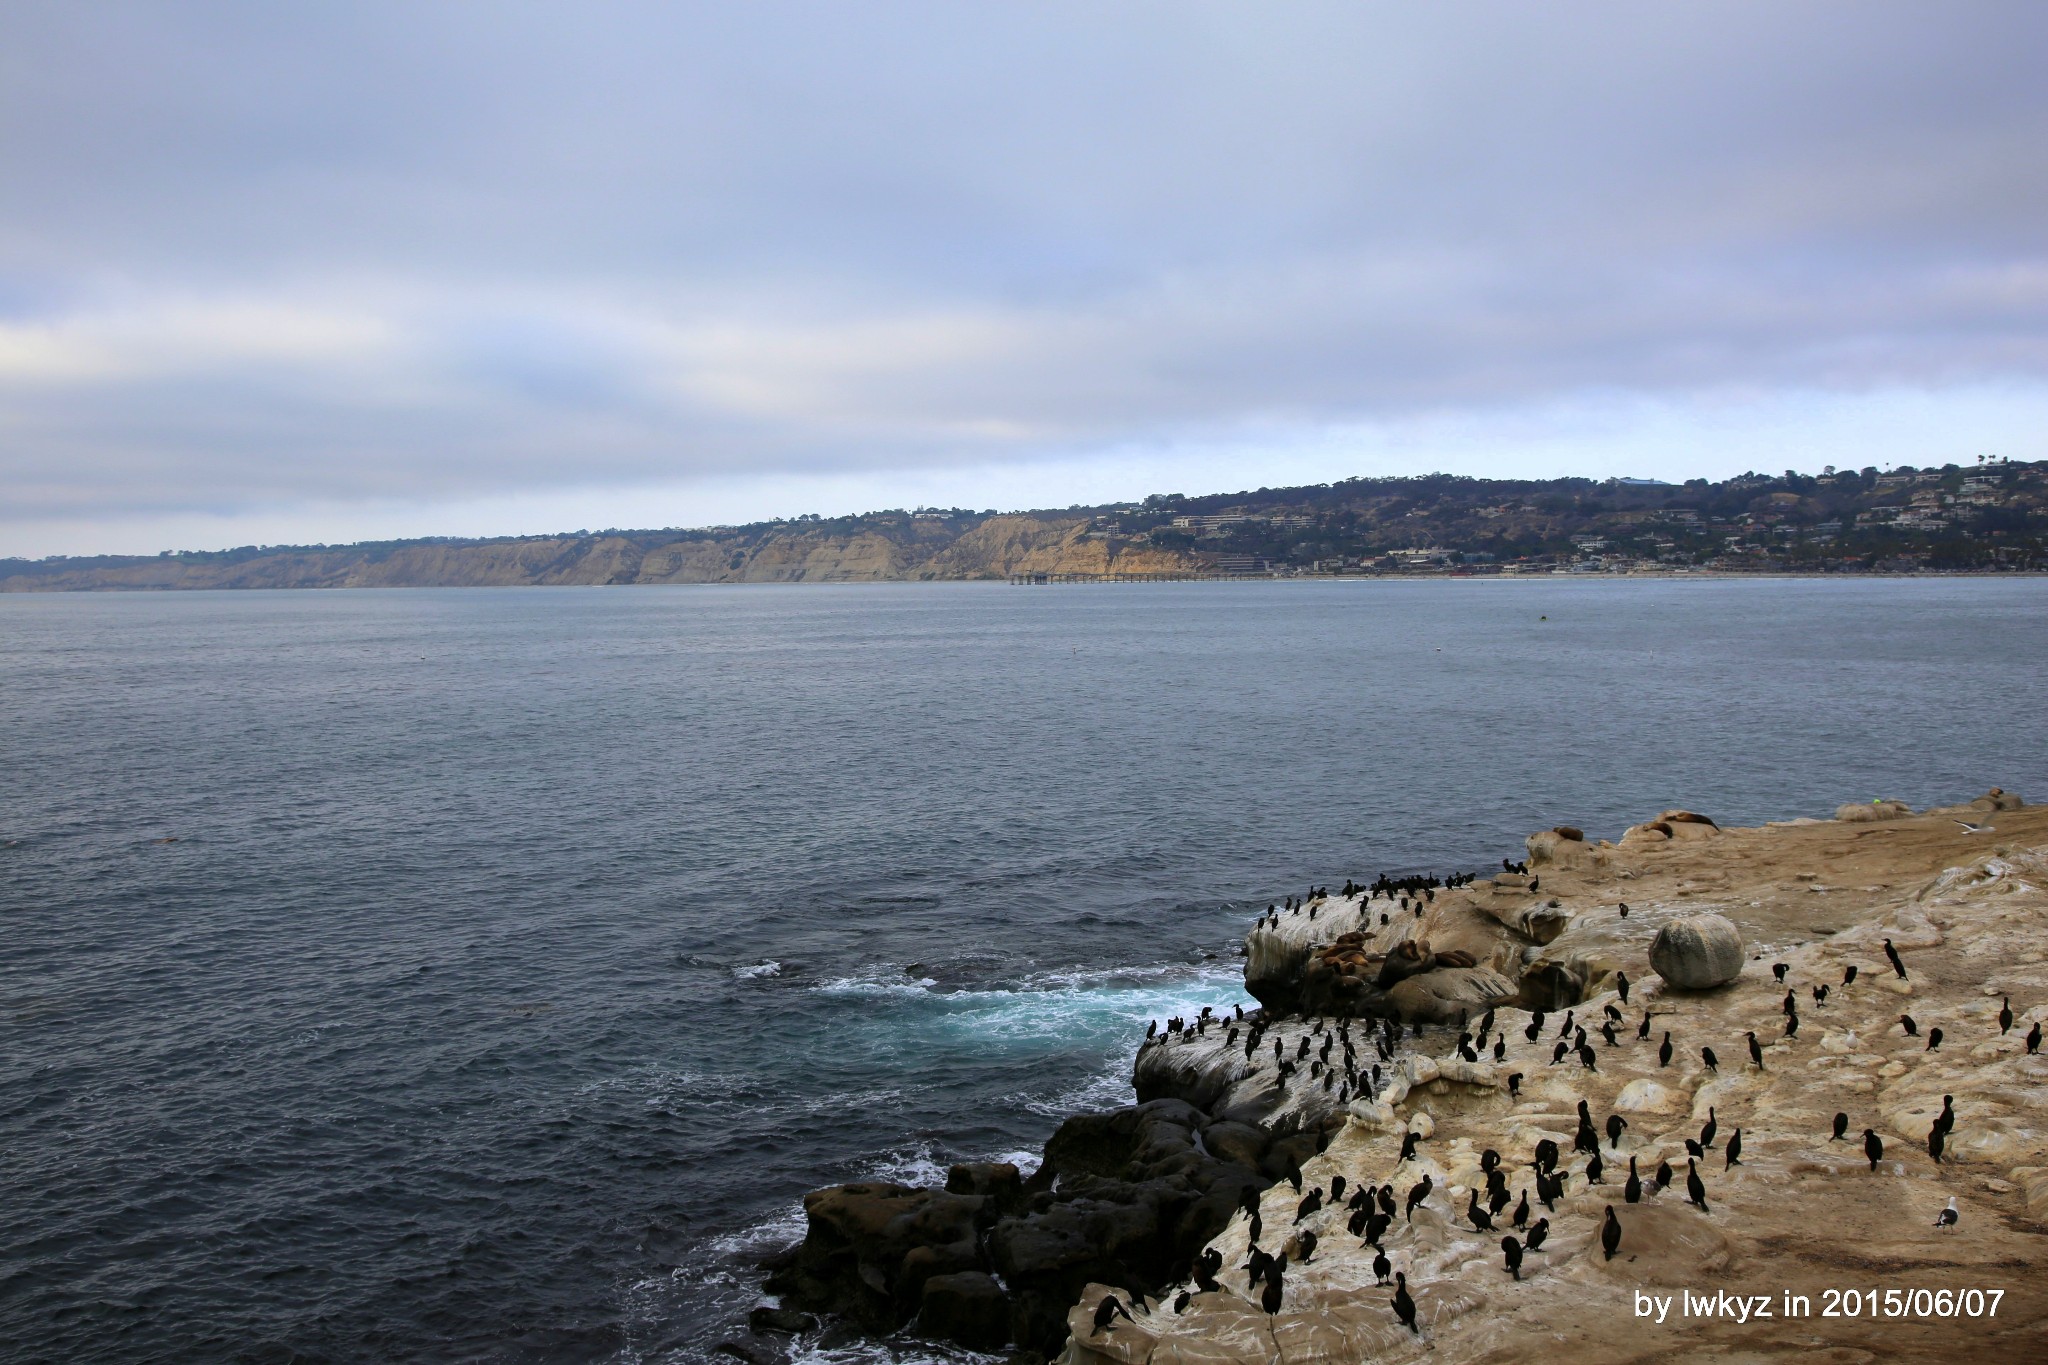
{"x": 911, "y": 549}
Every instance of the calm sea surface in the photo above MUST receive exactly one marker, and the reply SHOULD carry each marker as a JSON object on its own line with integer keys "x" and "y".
{"x": 523, "y": 955}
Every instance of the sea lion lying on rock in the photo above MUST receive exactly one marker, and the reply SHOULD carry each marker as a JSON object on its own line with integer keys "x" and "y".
{"x": 1413, "y": 958}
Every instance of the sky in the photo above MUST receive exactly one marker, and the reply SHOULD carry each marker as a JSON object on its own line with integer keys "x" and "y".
{"x": 323, "y": 273}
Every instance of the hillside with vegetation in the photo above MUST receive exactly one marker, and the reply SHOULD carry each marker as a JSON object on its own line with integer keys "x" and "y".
{"x": 1991, "y": 516}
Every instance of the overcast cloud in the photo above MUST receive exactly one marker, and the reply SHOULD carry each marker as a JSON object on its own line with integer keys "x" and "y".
{"x": 274, "y": 272}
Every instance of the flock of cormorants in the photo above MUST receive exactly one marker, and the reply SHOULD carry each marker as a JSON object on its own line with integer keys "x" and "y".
{"x": 1371, "y": 1209}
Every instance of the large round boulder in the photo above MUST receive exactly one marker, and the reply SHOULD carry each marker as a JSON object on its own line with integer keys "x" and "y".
{"x": 1697, "y": 952}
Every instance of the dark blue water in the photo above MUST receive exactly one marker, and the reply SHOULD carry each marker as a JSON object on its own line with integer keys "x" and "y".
{"x": 523, "y": 955}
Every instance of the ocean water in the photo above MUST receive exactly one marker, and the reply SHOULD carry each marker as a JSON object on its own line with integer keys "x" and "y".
{"x": 484, "y": 975}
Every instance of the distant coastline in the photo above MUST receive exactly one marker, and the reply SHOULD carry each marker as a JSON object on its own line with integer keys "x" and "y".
{"x": 1990, "y": 518}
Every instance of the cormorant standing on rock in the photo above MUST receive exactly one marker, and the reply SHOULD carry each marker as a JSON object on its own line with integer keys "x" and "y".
{"x": 1934, "y": 1038}
{"x": 1534, "y": 1241}
{"x": 1841, "y": 1127}
{"x": 1588, "y": 1058}
{"x": 1586, "y": 1140}
{"x": 1610, "y": 1234}
{"x": 1181, "y": 1302}
{"x": 1257, "y": 1225}
{"x": 1515, "y": 1077}
{"x": 1936, "y": 1140}
{"x": 1481, "y": 1220}
{"x": 1873, "y": 1147}
{"x": 1270, "y": 1299}
{"x": 1849, "y": 975}
{"x": 1756, "y": 1051}
{"x": 1621, "y": 984}
{"x": 1643, "y": 1029}
{"x": 1408, "y": 1148}
{"x": 1734, "y": 1150}
{"x": 1893, "y": 954}
{"x": 1106, "y": 1313}
{"x": 1387, "y": 1201}
{"x": 1633, "y": 1190}
{"x": 1624, "y": 909}
{"x": 1500, "y": 1048}
{"x": 1778, "y": 969}
{"x": 1565, "y": 1030}
{"x": 1557, "y": 1053}
{"x": 1663, "y": 1175}
{"x": 2034, "y": 1038}
{"x": 1713, "y": 1062}
{"x": 1336, "y": 1188}
{"x": 1309, "y": 1205}
{"x": 1595, "y": 1170}
{"x": 2005, "y": 1017}
{"x": 1615, "y": 1123}
{"x": 1791, "y": 1028}
{"x": 1381, "y": 1268}
{"x": 1521, "y": 1218}
{"x": 1912, "y": 1029}
{"x": 1404, "y": 1304}
{"x": 1695, "y": 1188}
{"x": 1709, "y": 1128}
{"x": 1607, "y": 1032}
{"x": 1946, "y": 1119}
{"x": 1664, "y": 1052}
{"x": 1512, "y": 1251}
{"x": 1307, "y": 1242}
{"x": 1419, "y": 1194}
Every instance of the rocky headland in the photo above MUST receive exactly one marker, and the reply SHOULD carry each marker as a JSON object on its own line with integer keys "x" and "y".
{"x": 1439, "y": 1067}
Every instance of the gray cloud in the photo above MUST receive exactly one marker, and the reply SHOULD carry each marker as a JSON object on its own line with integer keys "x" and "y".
{"x": 253, "y": 254}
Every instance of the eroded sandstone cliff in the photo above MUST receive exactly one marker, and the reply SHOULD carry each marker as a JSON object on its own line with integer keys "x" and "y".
{"x": 905, "y": 548}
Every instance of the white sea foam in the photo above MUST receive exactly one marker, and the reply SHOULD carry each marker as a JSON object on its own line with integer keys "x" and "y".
{"x": 896, "y": 984}
{"x": 758, "y": 969}
{"x": 1104, "y": 1090}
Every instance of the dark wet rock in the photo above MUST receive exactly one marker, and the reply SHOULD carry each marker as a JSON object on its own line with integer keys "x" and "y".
{"x": 1126, "y": 1198}
{"x": 997, "y": 1182}
{"x": 1243, "y": 1143}
{"x": 789, "y": 1320}
{"x": 745, "y": 1352}
{"x": 967, "y": 1308}
{"x": 871, "y": 1246}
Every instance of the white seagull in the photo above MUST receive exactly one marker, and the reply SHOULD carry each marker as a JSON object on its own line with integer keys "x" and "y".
{"x": 1969, "y": 828}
